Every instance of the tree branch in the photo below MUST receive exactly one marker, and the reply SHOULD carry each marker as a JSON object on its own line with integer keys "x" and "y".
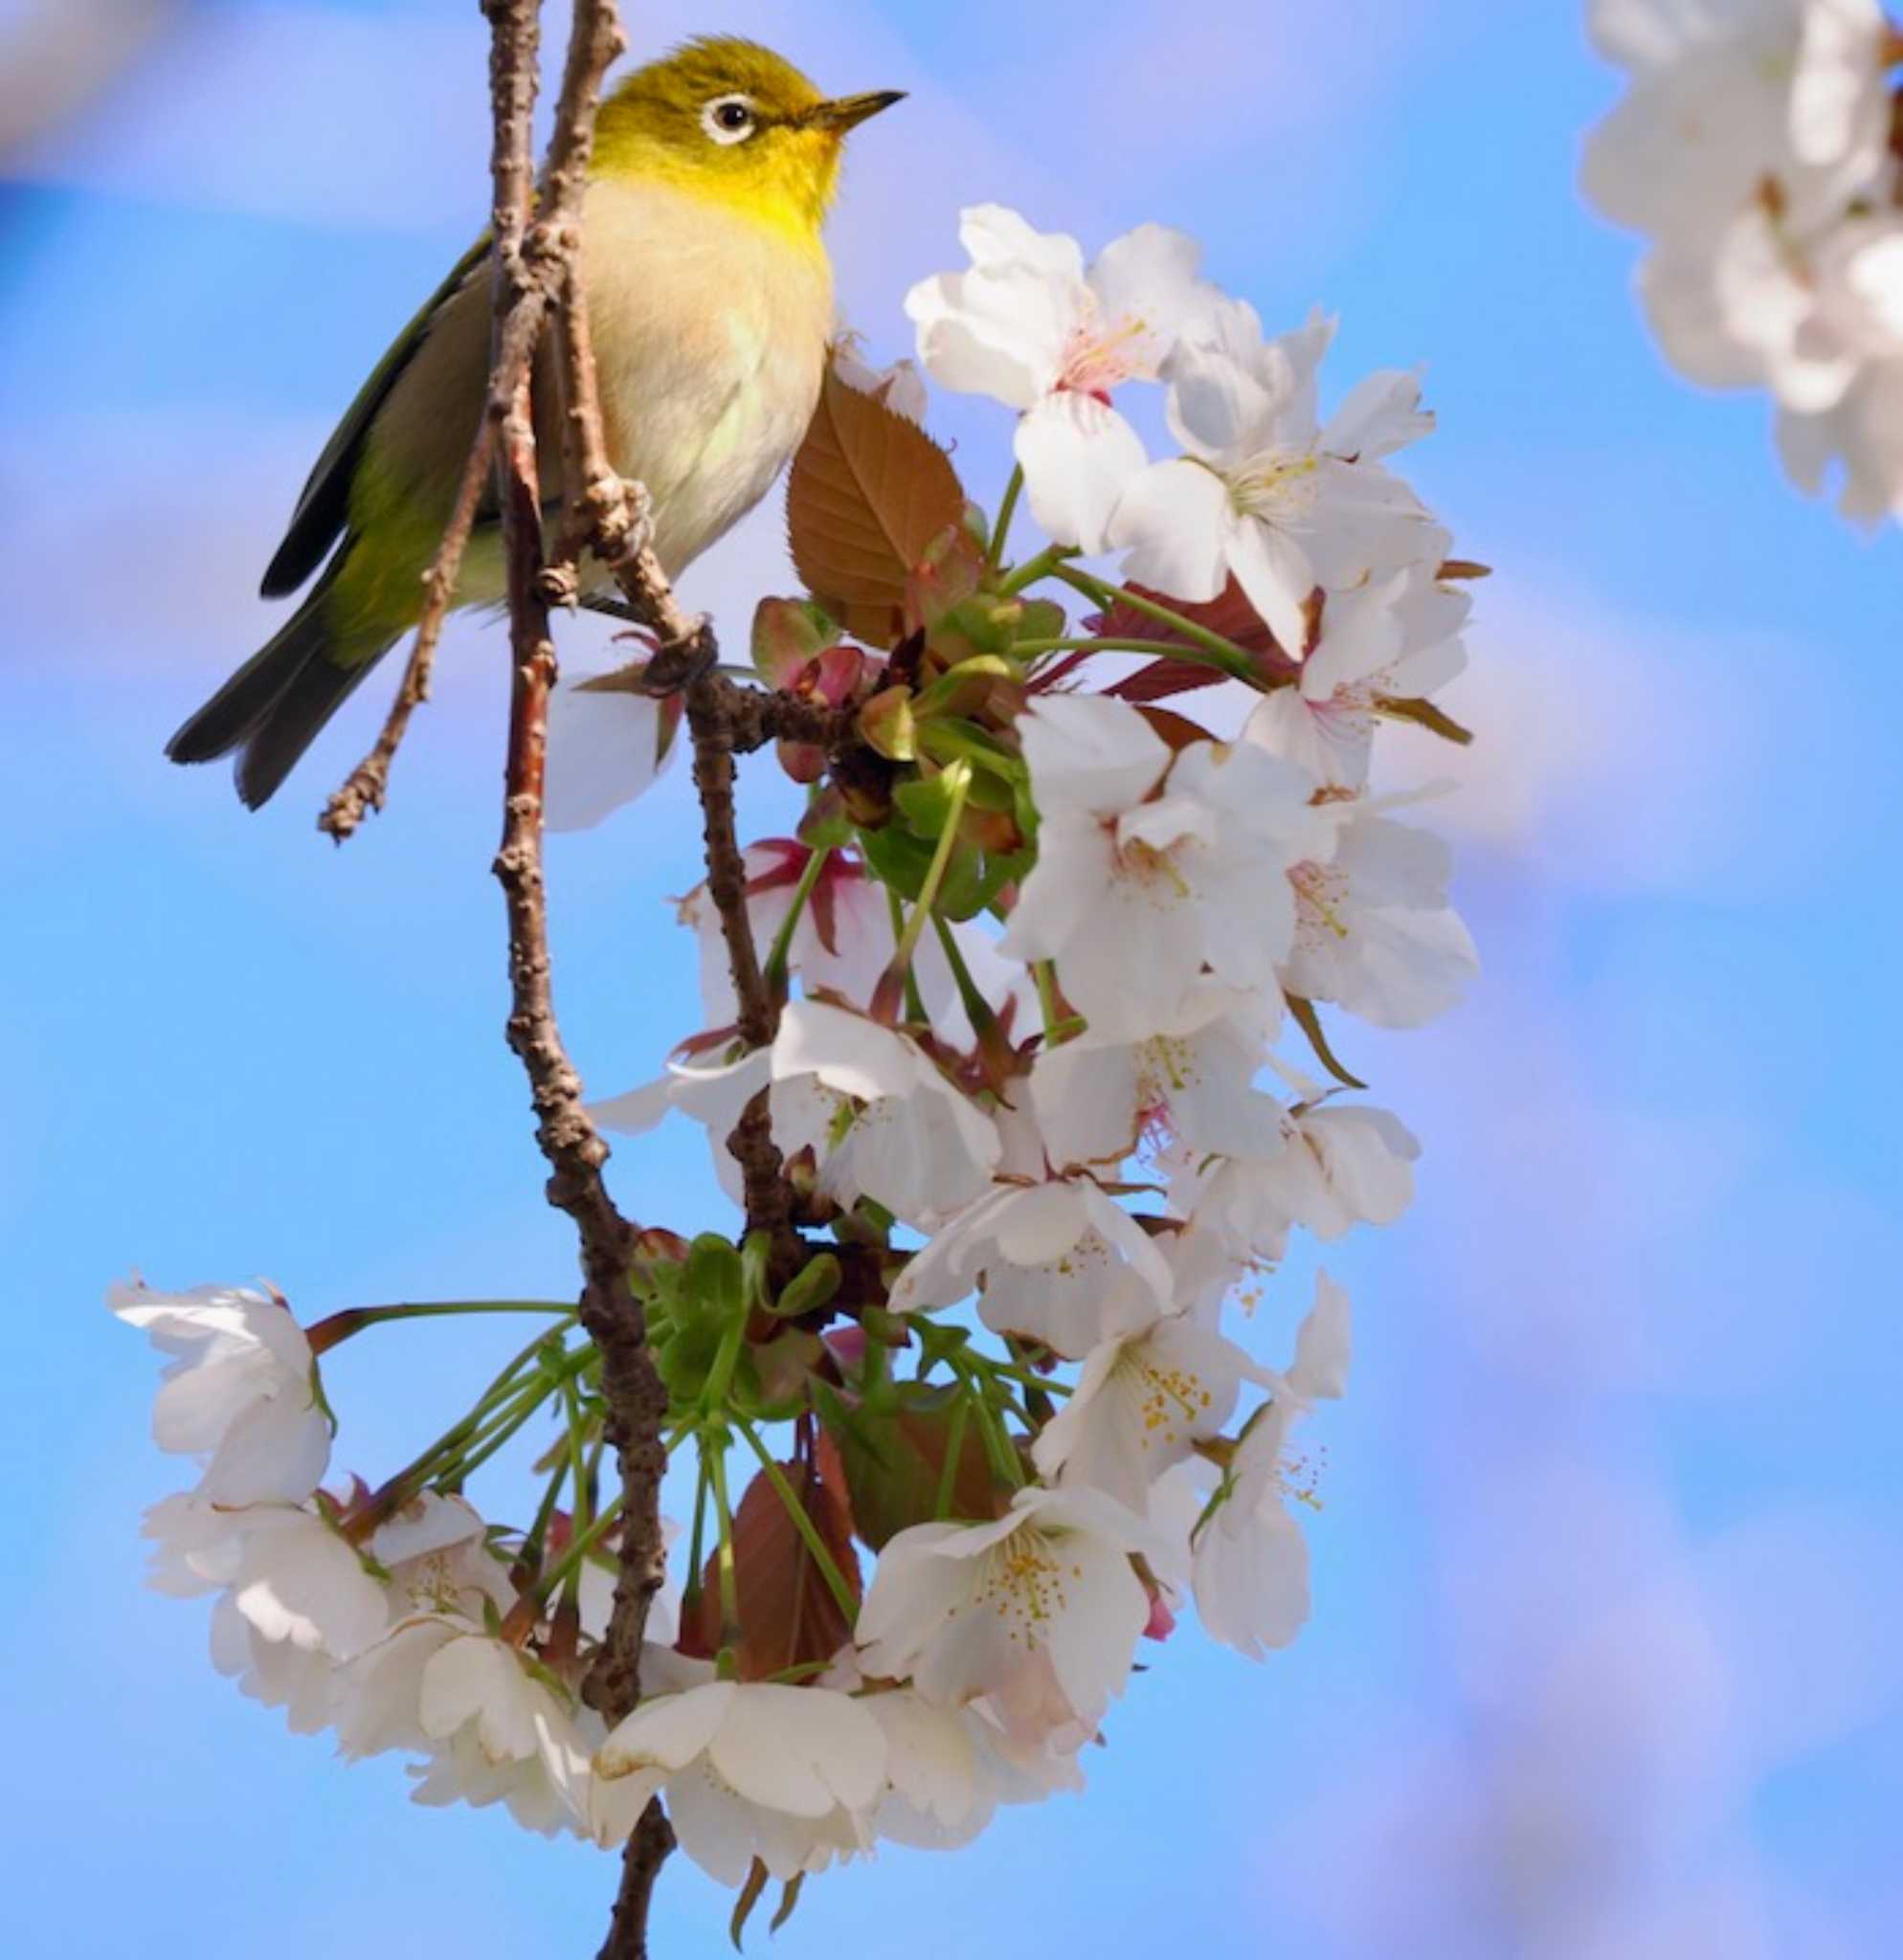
{"x": 535, "y": 272}
{"x": 647, "y": 1850}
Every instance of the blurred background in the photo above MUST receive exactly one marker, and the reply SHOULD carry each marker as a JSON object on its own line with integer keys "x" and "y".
{"x": 1604, "y": 1661}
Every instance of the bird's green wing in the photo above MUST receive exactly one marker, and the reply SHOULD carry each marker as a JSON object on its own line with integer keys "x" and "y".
{"x": 325, "y": 506}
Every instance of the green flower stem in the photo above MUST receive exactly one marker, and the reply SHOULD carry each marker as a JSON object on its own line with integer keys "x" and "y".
{"x": 714, "y": 1456}
{"x": 336, "y": 1328}
{"x": 1059, "y": 1027}
{"x": 569, "y": 1565}
{"x": 690, "y": 1593}
{"x": 958, "y": 781}
{"x": 513, "y": 1417}
{"x": 977, "y": 1008}
{"x": 1047, "y": 561}
{"x": 1044, "y": 1382}
{"x": 529, "y": 1559}
{"x": 1163, "y": 649}
{"x": 1004, "y": 1458}
{"x": 802, "y": 1522}
{"x": 1007, "y": 509}
{"x": 775, "y": 970}
{"x": 581, "y": 1512}
{"x": 803, "y": 1670}
{"x": 955, "y": 1451}
{"x": 727, "y": 1358}
{"x": 1224, "y": 652}
{"x": 398, "y": 1489}
{"x": 915, "y": 1001}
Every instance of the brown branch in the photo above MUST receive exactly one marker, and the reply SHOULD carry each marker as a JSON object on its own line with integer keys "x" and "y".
{"x": 647, "y": 1850}
{"x": 607, "y": 518}
{"x": 769, "y": 1198}
{"x": 533, "y": 270}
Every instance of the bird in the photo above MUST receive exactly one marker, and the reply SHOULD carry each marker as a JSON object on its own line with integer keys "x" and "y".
{"x": 711, "y": 311}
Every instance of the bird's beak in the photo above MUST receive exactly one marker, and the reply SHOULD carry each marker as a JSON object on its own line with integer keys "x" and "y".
{"x": 848, "y": 111}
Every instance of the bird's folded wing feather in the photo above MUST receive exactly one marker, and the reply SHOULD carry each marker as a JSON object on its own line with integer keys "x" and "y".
{"x": 324, "y": 507}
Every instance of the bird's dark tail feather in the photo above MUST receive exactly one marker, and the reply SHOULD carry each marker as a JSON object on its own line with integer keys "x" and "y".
{"x": 271, "y": 708}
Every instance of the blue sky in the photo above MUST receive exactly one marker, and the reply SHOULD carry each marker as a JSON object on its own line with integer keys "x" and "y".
{"x": 1602, "y": 1661}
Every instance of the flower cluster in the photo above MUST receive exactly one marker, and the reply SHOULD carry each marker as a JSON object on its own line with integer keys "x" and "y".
{"x": 1046, "y": 1095}
{"x": 1756, "y": 152}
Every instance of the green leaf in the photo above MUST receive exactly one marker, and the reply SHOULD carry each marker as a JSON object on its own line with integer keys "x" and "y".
{"x": 716, "y": 1280}
{"x": 898, "y": 857}
{"x": 812, "y": 1287}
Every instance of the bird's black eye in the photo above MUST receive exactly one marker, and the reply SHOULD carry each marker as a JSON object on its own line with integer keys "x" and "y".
{"x": 729, "y": 119}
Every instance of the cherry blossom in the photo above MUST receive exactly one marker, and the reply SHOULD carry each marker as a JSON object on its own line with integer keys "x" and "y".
{"x": 967, "y": 1388}
{"x": 1151, "y": 867}
{"x": 1374, "y": 928}
{"x": 1058, "y": 1261}
{"x": 1096, "y": 1097}
{"x": 1038, "y": 1612}
{"x": 842, "y": 940}
{"x": 1267, "y": 491}
{"x": 240, "y": 1390}
{"x": 1753, "y": 151}
{"x": 1341, "y": 1165}
{"x": 906, "y": 1136}
{"x": 1030, "y": 324}
{"x": 1393, "y": 640}
{"x": 1142, "y": 1403}
{"x": 608, "y": 744}
{"x": 752, "y": 1770}
{"x": 1250, "y": 1570}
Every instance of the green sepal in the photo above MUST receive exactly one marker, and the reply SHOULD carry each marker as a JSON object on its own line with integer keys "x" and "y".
{"x": 964, "y": 689}
{"x": 811, "y": 1288}
{"x": 743, "y": 1905}
{"x": 1310, "y": 1024}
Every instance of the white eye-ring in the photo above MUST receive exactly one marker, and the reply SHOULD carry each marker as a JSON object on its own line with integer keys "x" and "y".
{"x": 729, "y": 119}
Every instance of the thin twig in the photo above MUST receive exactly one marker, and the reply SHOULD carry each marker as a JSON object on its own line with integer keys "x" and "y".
{"x": 364, "y": 788}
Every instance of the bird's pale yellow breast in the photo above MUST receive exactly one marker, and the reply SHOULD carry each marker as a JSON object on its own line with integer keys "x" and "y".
{"x": 711, "y": 337}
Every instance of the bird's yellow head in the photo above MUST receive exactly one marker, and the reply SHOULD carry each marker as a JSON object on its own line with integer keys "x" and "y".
{"x": 731, "y": 121}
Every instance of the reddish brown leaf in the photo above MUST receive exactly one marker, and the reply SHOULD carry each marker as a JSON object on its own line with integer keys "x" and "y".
{"x": 1161, "y": 678}
{"x": 787, "y": 1615}
{"x": 869, "y": 493}
{"x": 894, "y": 1461}
{"x": 1178, "y": 730}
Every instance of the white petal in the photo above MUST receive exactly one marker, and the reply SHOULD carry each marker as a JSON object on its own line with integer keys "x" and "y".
{"x": 1078, "y": 457}
{"x": 667, "y": 1732}
{"x": 1324, "y": 1344}
{"x": 1275, "y": 575}
{"x": 1091, "y": 752}
{"x": 605, "y": 748}
{"x": 481, "y": 1680}
{"x": 1170, "y": 525}
{"x": 1378, "y": 415}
